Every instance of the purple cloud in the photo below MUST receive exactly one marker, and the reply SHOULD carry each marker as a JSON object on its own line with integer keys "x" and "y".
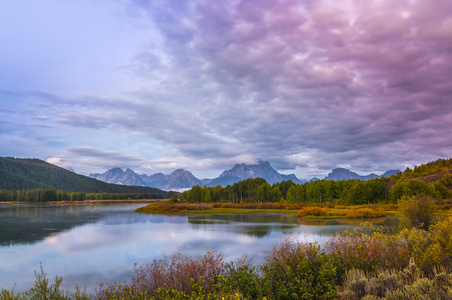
{"x": 308, "y": 85}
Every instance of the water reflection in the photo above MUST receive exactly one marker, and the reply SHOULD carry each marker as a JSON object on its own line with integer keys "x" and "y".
{"x": 31, "y": 224}
{"x": 90, "y": 244}
{"x": 254, "y": 225}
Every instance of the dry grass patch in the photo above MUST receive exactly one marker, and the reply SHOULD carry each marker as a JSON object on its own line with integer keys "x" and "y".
{"x": 173, "y": 207}
{"x": 349, "y": 213}
{"x": 363, "y": 213}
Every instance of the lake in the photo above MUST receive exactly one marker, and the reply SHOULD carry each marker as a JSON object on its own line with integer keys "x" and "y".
{"x": 88, "y": 244}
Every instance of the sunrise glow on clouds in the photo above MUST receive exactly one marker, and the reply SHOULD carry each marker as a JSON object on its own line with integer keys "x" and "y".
{"x": 202, "y": 84}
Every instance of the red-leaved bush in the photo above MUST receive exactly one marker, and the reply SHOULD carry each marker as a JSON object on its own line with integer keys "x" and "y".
{"x": 173, "y": 272}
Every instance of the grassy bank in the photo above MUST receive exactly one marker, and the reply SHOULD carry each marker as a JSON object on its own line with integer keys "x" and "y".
{"x": 196, "y": 208}
{"x": 348, "y": 212}
{"x": 326, "y": 211}
{"x": 88, "y": 202}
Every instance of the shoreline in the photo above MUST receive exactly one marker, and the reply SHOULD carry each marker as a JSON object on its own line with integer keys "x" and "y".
{"x": 86, "y": 202}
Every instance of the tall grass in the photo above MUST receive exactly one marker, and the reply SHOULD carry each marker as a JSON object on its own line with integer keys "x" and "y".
{"x": 409, "y": 283}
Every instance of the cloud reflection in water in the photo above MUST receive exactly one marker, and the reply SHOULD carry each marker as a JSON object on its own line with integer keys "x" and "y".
{"x": 107, "y": 248}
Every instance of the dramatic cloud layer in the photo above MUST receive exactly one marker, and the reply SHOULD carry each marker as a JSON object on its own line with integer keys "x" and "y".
{"x": 201, "y": 84}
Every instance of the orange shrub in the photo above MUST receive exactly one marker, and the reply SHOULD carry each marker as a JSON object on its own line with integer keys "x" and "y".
{"x": 312, "y": 211}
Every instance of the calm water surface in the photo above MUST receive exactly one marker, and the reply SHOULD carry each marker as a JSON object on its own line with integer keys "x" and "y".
{"x": 92, "y": 244}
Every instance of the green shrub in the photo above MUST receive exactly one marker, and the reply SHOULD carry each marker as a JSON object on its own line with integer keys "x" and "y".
{"x": 299, "y": 270}
{"x": 430, "y": 249}
{"x": 9, "y": 295}
{"x": 242, "y": 277}
{"x": 416, "y": 211}
{"x": 42, "y": 289}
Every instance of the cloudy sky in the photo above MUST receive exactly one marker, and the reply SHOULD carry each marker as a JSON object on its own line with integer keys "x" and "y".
{"x": 155, "y": 85}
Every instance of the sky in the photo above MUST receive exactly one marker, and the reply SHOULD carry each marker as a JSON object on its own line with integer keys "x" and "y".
{"x": 158, "y": 85}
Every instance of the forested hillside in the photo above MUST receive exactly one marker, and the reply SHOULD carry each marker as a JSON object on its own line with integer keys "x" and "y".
{"x": 432, "y": 179}
{"x": 24, "y": 175}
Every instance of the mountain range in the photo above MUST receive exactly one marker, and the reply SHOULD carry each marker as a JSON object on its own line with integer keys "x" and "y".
{"x": 184, "y": 179}
{"x": 177, "y": 180}
{"x": 345, "y": 174}
{"x": 242, "y": 171}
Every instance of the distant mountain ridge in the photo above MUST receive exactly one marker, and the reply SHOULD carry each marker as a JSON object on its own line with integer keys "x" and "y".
{"x": 118, "y": 176}
{"x": 242, "y": 171}
{"x": 345, "y": 174}
{"x": 177, "y": 180}
{"x": 183, "y": 179}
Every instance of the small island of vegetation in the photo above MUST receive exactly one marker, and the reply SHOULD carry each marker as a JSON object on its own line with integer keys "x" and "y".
{"x": 317, "y": 211}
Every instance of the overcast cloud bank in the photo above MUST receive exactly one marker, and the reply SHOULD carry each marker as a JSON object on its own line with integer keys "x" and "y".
{"x": 202, "y": 85}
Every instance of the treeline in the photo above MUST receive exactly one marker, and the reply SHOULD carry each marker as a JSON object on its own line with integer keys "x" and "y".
{"x": 378, "y": 190}
{"x": 52, "y": 195}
